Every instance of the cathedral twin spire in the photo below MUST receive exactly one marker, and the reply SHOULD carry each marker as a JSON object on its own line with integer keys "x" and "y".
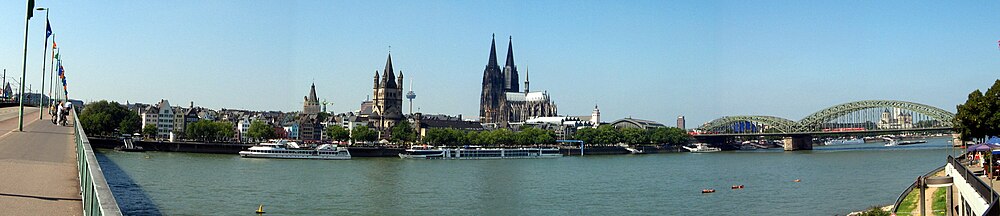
{"x": 509, "y": 75}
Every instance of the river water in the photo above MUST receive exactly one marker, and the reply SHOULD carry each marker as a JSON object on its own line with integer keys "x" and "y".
{"x": 834, "y": 180}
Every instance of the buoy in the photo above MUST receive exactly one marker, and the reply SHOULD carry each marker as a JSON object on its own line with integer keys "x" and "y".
{"x": 708, "y": 191}
{"x": 260, "y": 209}
{"x": 797, "y": 180}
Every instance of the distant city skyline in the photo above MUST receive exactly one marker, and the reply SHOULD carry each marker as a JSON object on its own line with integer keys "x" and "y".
{"x": 650, "y": 60}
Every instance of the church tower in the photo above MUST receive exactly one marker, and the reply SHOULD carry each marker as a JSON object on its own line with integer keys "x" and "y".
{"x": 387, "y": 106}
{"x": 493, "y": 100}
{"x": 310, "y": 104}
{"x": 510, "y": 78}
{"x": 595, "y": 117}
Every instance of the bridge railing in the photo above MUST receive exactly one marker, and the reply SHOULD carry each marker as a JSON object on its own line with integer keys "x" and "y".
{"x": 94, "y": 191}
{"x": 981, "y": 187}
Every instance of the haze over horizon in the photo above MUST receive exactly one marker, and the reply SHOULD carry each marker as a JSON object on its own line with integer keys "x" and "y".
{"x": 649, "y": 60}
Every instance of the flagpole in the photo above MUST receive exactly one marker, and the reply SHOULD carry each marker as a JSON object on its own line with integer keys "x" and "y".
{"x": 41, "y": 90}
{"x": 24, "y": 69}
{"x": 52, "y": 67}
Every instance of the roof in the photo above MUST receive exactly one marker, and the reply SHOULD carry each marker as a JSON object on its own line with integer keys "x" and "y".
{"x": 636, "y": 123}
{"x": 366, "y": 108}
{"x": 530, "y": 96}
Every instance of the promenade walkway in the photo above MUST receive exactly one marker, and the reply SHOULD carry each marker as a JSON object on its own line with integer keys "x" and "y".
{"x": 38, "y": 167}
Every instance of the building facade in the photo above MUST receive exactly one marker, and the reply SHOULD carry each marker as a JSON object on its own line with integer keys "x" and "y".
{"x": 161, "y": 116}
{"x": 502, "y": 102}
{"x": 681, "y": 122}
{"x": 387, "y": 104}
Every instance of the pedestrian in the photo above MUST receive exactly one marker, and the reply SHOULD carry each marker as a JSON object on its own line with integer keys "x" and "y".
{"x": 59, "y": 116}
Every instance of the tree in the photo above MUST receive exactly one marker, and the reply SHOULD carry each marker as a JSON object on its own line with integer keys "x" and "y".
{"x": 223, "y": 131}
{"x": 260, "y": 131}
{"x": 149, "y": 130}
{"x": 104, "y": 118}
{"x": 634, "y": 136}
{"x": 363, "y": 133}
{"x": 587, "y": 135}
{"x": 130, "y": 124}
{"x": 402, "y": 131}
{"x": 979, "y": 116}
{"x": 337, "y": 133}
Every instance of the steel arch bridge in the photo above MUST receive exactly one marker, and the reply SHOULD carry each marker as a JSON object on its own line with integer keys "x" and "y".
{"x": 867, "y": 115}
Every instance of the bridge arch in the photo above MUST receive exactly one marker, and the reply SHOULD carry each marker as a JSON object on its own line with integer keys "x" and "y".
{"x": 778, "y": 123}
{"x": 818, "y": 118}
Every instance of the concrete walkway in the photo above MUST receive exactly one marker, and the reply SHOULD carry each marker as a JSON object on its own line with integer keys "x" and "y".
{"x": 38, "y": 173}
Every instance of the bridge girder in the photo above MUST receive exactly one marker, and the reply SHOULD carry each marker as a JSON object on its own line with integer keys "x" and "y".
{"x": 816, "y": 119}
{"x": 781, "y": 124}
{"x": 813, "y": 121}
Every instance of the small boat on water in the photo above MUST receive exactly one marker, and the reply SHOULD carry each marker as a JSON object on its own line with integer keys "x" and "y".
{"x": 430, "y": 152}
{"x": 702, "y": 147}
{"x": 291, "y": 150}
{"x": 708, "y": 191}
{"x": 737, "y": 187}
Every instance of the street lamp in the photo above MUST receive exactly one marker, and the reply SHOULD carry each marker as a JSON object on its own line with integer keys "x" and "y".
{"x": 44, "y": 54}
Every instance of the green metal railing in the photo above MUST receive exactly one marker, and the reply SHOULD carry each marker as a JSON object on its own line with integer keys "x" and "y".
{"x": 94, "y": 191}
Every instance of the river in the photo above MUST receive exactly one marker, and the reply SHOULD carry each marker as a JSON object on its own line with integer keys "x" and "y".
{"x": 834, "y": 180}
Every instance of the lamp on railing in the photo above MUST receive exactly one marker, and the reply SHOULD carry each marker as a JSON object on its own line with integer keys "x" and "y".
{"x": 935, "y": 182}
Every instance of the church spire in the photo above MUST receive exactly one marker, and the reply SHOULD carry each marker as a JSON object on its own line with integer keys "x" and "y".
{"x": 312, "y": 94}
{"x": 510, "y": 78}
{"x": 527, "y": 87}
{"x": 493, "y": 52}
{"x": 510, "y": 52}
{"x": 388, "y": 77}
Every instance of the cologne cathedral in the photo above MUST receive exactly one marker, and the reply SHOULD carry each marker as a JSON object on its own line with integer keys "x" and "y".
{"x": 502, "y": 100}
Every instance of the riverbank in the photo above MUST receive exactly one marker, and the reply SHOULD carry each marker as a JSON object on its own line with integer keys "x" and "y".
{"x": 356, "y": 151}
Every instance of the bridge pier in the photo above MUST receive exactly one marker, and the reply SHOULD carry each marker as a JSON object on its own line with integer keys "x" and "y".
{"x": 798, "y": 142}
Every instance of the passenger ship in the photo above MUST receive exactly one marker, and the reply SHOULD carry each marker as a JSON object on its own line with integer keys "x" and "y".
{"x": 291, "y": 150}
{"x": 429, "y": 152}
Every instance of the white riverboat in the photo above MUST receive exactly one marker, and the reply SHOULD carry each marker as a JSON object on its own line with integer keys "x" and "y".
{"x": 291, "y": 150}
{"x": 429, "y": 152}
{"x": 701, "y": 147}
{"x": 844, "y": 141}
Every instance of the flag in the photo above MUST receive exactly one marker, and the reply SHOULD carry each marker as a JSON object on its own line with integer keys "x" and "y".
{"x": 53, "y": 44}
{"x": 31, "y": 7}
{"x": 48, "y": 31}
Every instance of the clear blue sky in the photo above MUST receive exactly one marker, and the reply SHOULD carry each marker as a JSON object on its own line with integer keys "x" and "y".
{"x": 646, "y": 59}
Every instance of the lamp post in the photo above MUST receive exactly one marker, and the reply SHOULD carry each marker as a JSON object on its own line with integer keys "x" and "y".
{"x": 24, "y": 69}
{"x": 41, "y": 103}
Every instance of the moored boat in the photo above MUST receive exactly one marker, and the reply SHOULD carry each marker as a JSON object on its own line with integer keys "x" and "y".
{"x": 702, "y": 147}
{"x": 430, "y": 152}
{"x": 291, "y": 150}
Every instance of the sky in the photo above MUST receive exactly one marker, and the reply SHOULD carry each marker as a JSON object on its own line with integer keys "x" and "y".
{"x": 651, "y": 60}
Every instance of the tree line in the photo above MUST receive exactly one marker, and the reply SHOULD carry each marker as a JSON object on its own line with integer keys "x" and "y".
{"x": 979, "y": 116}
{"x": 607, "y": 134}
{"x": 456, "y": 137}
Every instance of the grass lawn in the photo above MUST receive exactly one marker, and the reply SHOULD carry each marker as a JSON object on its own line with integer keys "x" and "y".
{"x": 909, "y": 203}
{"x": 940, "y": 206}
